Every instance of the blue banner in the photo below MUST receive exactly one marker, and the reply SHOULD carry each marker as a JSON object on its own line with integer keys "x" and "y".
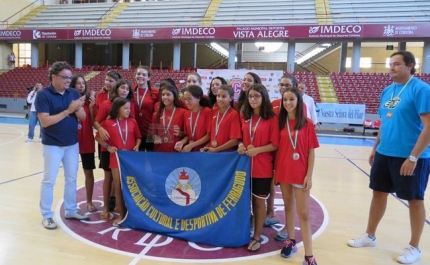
{"x": 199, "y": 197}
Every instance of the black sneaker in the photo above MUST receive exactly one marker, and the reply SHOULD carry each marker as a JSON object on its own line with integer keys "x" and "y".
{"x": 289, "y": 248}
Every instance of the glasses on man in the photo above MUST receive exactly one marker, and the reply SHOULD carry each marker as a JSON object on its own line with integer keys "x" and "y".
{"x": 65, "y": 77}
{"x": 254, "y": 96}
{"x": 284, "y": 85}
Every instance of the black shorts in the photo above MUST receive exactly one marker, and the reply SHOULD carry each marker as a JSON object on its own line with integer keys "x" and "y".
{"x": 385, "y": 177}
{"x": 144, "y": 146}
{"x": 88, "y": 161}
{"x": 104, "y": 160}
{"x": 260, "y": 187}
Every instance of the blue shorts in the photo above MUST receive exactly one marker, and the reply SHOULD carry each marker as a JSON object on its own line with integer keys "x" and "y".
{"x": 385, "y": 177}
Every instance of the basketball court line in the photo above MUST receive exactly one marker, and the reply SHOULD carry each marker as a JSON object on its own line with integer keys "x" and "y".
{"x": 362, "y": 170}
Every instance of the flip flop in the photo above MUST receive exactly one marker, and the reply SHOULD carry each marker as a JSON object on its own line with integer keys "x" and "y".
{"x": 255, "y": 242}
{"x": 270, "y": 222}
{"x": 281, "y": 236}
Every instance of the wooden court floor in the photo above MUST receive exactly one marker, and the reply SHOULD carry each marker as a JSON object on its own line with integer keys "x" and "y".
{"x": 340, "y": 184}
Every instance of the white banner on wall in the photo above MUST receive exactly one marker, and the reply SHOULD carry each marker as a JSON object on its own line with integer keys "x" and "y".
{"x": 341, "y": 113}
{"x": 269, "y": 78}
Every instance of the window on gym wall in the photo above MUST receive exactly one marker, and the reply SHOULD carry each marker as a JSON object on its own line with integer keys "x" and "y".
{"x": 365, "y": 62}
{"x": 24, "y": 54}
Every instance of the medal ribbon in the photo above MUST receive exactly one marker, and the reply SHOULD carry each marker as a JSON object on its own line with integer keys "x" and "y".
{"x": 398, "y": 95}
{"x": 124, "y": 142}
{"x": 140, "y": 100}
{"x": 193, "y": 131}
{"x": 217, "y": 125}
{"x": 293, "y": 143}
{"x": 251, "y": 133}
{"x": 170, "y": 120}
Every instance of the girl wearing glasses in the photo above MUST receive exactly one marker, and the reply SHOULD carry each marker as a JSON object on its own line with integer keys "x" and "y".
{"x": 168, "y": 121}
{"x": 294, "y": 167}
{"x": 285, "y": 82}
{"x": 215, "y": 84}
{"x": 225, "y": 130}
{"x": 248, "y": 80}
{"x": 146, "y": 97}
{"x": 197, "y": 120}
{"x": 260, "y": 139}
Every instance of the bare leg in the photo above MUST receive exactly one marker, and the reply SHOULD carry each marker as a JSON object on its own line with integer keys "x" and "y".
{"x": 417, "y": 214}
{"x": 89, "y": 187}
{"x": 270, "y": 212}
{"x": 302, "y": 201}
{"x": 376, "y": 212}
{"x": 288, "y": 196}
{"x": 119, "y": 199}
{"x": 107, "y": 184}
{"x": 259, "y": 206}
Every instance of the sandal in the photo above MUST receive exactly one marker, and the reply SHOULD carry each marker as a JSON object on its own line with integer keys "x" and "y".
{"x": 270, "y": 222}
{"x": 255, "y": 242}
{"x": 281, "y": 236}
{"x": 106, "y": 216}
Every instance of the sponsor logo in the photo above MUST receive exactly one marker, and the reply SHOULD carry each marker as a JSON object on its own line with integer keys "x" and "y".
{"x": 92, "y": 33}
{"x": 390, "y": 30}
{"x": 336, "y": 31}
{"x": 143, "y": 33}
{"x": 193, "y": 33}
{"x": 37, "y": 34}
{"x": 10, "y": 33}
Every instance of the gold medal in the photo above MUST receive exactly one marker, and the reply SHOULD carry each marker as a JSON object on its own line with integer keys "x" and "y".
{"x": 140, "y": 114}
{"x": 214, "y": 143}
{"x": 165, "y": 139}
{"x": 389, "y": 114}
{"x": 250, "y": 147}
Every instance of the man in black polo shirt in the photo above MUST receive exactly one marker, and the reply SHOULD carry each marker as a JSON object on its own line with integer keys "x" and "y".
{"x": 59, "y": 109}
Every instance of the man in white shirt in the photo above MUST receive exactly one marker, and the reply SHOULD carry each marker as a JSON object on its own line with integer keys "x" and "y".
{"x": 310, "y": 103}
{"x": 32, "y": 117}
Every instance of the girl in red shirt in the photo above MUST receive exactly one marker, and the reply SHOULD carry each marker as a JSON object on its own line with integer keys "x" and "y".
{"x": 294, "y": 167}
{"x": 197, "y": 120}
{"x": 145, "y": 99}
{"x": 168, "y": 121}
{"x": 124, "y": 135}
{"x": 122, "y": 89}
{"x": 112, "y": 76}
{"x": 225, "y": 130}
{"x": 86, "y": 138}
{"x": 260, "y": 139}
{"x": 215, "y": 84}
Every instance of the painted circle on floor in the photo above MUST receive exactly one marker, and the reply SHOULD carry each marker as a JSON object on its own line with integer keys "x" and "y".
{"x": 146, "y": 245}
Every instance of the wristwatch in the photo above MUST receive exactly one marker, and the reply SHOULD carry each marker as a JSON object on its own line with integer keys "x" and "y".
{"x": 413, "y": 159}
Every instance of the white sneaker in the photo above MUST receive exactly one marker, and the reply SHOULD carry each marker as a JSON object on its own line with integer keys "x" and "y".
{"x": 78, "y": 216}
{"x": 49, "y": 223}
{"x": 409, "y": 255}
{"x": 362, "y": 241}
{"x": 29, "y": 140}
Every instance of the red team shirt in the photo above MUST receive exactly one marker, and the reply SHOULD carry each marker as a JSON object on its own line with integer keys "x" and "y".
{"x": 289, "y": 170}
{"x": 101, "y": 96}
{"x": 177, "y": 119}
{"x": 115, "y": 138}
{"x": 146, "y": 110}
{"x": 85, "y": 133}
{"x": 267, "y": 132}
{"x": 203, "y": 125}
{"x": 229, "y": 127}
